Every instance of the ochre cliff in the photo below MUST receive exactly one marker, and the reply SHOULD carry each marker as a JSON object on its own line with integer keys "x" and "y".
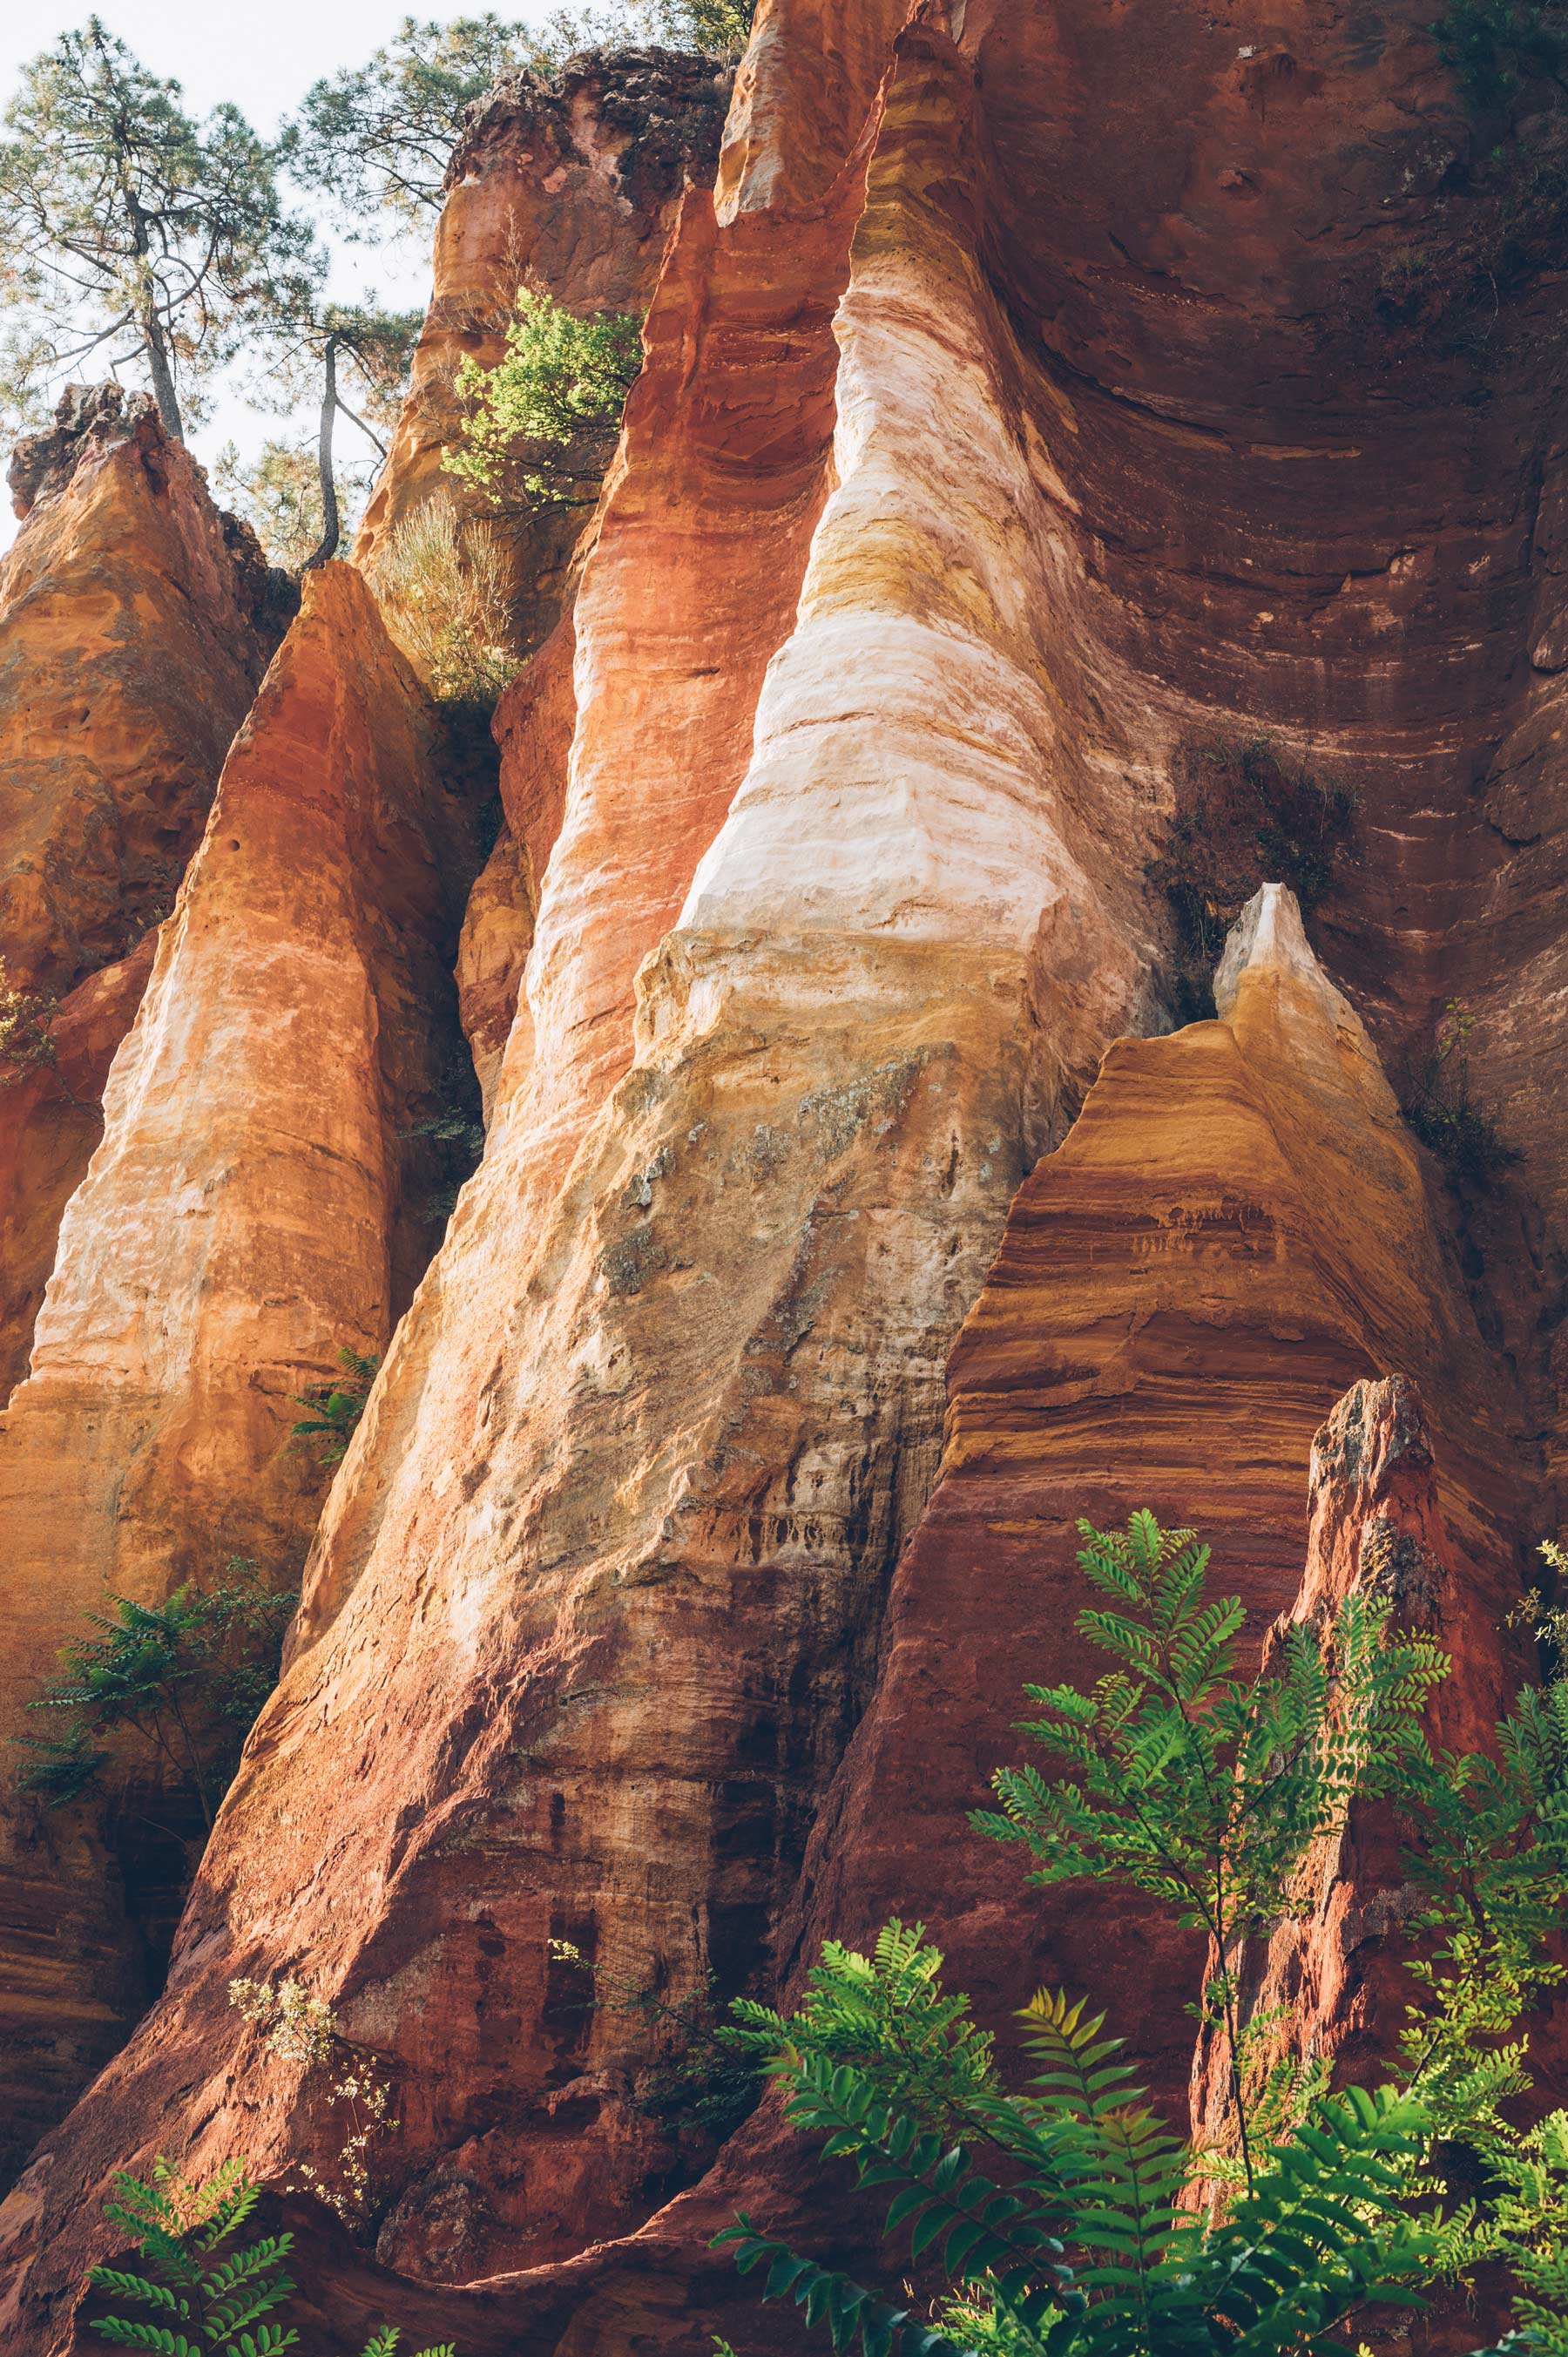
{"x": 1037, "y": 417}
{"x": 569, "y": 187}
{"x": 256, "y": 1137}
{"x": 135, "y": 622}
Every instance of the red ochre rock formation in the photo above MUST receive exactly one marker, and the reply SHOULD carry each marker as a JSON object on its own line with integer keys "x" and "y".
{"x": 134, "y": 631}
{"x": 1029, "y": 401}
{"x": 50, "y": 1119}
{"x": 254, "y": 1208}
{"x": 1234, "y": 1230}
{"x": 1377, "y": 1525}
{"x": 571, "y": 188}
{"x": 135, "y": 622}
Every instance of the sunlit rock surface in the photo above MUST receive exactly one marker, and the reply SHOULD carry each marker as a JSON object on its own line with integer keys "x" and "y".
{"x": 251, "y": 1210}
{"x": 1026, "y": 406}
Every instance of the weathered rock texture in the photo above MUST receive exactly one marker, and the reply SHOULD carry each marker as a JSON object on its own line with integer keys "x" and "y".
{"x": 1333, "y": 1980}
{"x": 135, "y": 625}
{"x": 135, "y": 622}
{"x": 253, "y": 1209}
{"x": 50, "y": 1119}
{"x": 1030, "y": 400}
{"x": 568, "y": 188}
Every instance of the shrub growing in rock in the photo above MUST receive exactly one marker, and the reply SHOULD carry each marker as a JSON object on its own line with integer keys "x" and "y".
{"x": 441, "y": 586}
{"x": 336, "y": 1408}
{"x": 1441, "y": 1108}
{"x": 26, "y": 1029}
{"x": 1078, "y": 2238}
{"x": 170, "y": 1690}
{"x": 539, "y": 426}
{"x": 198, "y": 2296}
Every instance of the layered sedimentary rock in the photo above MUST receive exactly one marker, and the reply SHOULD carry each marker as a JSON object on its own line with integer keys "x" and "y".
{"x": 533, "y": 728}
{"x": 1032, "y": 402}
{"x": 1234, "y": 1230}
{"x": 253, "y": 1209}
{"x": 50, "y": 1119}
{"x": 135, "y": 624}
{"x": 670, "y": 1397}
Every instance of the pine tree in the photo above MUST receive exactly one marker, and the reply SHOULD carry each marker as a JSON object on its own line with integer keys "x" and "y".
{"x": 129, "y": 230}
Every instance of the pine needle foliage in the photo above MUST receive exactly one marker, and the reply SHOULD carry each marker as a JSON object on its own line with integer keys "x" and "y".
{"x": 1188, "y": 1784}
{"x": 202, "y": 2301}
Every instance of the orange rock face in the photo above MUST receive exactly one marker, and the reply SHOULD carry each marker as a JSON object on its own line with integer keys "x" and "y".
{"x": 1376, "y": 1526}
{"x": 135, "y": 625}
{"x": 571, "y": 188}
{"x": 257, "y": 1133}
{"x": 134, "y": 631}
{"x": 1028, "y": 406}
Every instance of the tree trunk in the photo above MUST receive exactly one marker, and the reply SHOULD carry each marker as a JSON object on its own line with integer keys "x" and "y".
{"x": 327, "y": 545}
{"x": 162, "y": 374}
{"x": 160, "y": 368}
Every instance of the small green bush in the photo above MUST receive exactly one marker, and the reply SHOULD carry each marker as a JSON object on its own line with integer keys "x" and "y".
{"x": 1061, "y": 2214}
{"x": 539, "y": 426}
{"x": 336, "y": 1408}
{"x": 177, "y": 1684}
{"x": 1442, "y": 1110}
{"x": 26, "y": 1029}
{"x": 200, "y": 2299}
{"x": 441, "y": 586}
{"x": 1492, "y": 46}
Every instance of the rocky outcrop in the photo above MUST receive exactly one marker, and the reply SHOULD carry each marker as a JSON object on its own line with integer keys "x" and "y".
{"x": 135, "y": 624}
{"x": 1234, "y": 1230}
{"x": 533, "y": 728}
{"x": 254, "y": 1208}
{"x": 1026, "y": 406}
{"x": 1333, "y": 1982}
{"x": 52, "y": 1109}
{"x": 570, "y": 187}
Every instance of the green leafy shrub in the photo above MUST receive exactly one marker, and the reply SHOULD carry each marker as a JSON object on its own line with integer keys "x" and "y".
{"x": 1078, "y": 2238}
{"x": 539, "y": 426}
{"x": 441, "y": 586}
{"x": 174, "y": 1686}
{"x": 719, "y": 27}
{"x": 26, "y": 1029}
{"x": 202, "y": 2299}
{"x": 336, "y": 1408}
{"x": 1440, "y": 1107}
{"x": 1244, "y": 815}
{"x": 1492, "y": 46}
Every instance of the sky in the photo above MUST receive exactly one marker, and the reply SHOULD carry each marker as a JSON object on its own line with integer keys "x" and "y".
{"x": 263, "y": 55}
